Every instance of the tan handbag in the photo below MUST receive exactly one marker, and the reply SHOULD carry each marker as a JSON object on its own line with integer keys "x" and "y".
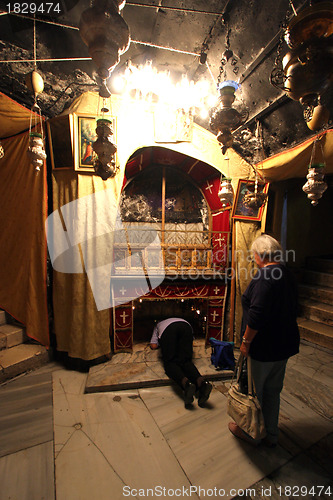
{"x": 245, "y": 408}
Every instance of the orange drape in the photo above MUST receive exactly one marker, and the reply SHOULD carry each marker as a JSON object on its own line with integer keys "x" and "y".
{"x": 23, "y": 201}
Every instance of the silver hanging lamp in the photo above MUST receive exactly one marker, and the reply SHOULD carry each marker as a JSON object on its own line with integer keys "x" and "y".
{"x": 36, "y": 149}
{"x": 315, "y": 185}
{"x": 226, "y": 192}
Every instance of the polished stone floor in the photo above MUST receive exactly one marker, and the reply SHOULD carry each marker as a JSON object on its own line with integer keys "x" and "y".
{"x": 59, "y": 442}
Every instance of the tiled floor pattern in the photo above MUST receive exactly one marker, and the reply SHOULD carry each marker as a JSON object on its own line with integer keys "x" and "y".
{"x": 136, "y": 442}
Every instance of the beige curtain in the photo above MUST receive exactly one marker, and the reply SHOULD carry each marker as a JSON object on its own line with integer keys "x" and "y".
{"x": 23, "y": 198}
{"x": 81, "y": 329}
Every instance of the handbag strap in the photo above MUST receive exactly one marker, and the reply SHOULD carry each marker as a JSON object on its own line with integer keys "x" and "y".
{"x": 250, "y": 382}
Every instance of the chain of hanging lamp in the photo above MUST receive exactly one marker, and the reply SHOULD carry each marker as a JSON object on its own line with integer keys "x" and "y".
{"x": 34, "y": 81}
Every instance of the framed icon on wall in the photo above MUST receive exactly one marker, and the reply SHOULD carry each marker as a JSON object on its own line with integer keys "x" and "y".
{"x": 241, "y": 210}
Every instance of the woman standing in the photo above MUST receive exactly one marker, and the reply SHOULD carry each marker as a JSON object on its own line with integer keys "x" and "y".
{"x": 269, "y": 331}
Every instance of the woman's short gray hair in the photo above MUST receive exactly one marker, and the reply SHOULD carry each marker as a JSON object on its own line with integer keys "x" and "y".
{"x": 267, "y": 248}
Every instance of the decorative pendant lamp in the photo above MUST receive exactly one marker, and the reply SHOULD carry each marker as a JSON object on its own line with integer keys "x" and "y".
{"x": 255, "y": 197}
{"x": 315, "y": 185}
{"x": 36, "y": 150}
{"x": 35, "y": 83}
{"x": 306, "y": 72}
{"x": 226, "y": 192}
{"x": 105, "y": 163}
{"x": 106, "y": 34}
{"x": 224, "y": 118}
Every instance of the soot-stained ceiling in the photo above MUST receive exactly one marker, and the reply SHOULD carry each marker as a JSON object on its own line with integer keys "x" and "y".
{"x": 172, "y": 34}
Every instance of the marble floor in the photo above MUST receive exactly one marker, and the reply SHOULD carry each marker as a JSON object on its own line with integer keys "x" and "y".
{"x": 58, "y": 442}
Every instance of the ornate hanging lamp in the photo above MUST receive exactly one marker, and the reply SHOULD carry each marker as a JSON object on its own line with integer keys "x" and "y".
{"x": 226, "y": 192}
{"x": 35, "y": 83}
{"x": 106, "y": 34}
{"x": 306, "y": 72}
{"x": 105, "y": 164}
{"x": 315, "y": 185}
{"x": 224, "y": 118}
{"x": 256, "y": 196}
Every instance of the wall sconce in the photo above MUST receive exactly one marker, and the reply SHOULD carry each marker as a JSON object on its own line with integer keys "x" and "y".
{"x": 306, "y": 72}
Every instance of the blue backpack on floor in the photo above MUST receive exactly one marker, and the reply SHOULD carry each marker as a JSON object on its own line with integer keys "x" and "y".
{"x": 222, "y": 356}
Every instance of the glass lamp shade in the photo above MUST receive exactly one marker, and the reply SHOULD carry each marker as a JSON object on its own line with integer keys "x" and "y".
{"x": 226, "y": 193}
{"x": 315, "y": 185}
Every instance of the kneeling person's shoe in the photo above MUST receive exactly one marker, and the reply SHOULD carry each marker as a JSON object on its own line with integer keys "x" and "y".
{"x": 204, "y": 392}
{"x": 189, "y": 391}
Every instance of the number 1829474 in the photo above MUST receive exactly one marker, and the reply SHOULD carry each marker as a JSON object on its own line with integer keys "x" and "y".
{"x": 33, "y": 8}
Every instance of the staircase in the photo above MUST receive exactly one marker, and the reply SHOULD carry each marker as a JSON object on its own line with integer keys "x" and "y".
{"x": 17, "y": 353}
{"x": 316, "y": 302}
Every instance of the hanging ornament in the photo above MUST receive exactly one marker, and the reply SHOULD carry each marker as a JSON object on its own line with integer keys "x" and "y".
{"x": 224, "y": 118}
{"x": 2, "y": 151}
{"x": 105, "y": 163}
{"x": 315, "y": 185}
{"x": 106, "y": 34}
{"x": 255, "y": 197}
{"x": 305, "y": 73}
{"x": 226, "y": 192}
{"x": 36, "y": 149}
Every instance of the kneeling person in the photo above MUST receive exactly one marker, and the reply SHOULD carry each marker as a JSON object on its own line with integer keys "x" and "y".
{"x": 175, "y": 337}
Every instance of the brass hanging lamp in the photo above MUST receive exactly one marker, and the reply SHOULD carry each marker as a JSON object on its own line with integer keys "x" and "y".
{"x": 306, "y": 72}
{"x": 107, "y": 36}
{"x": 105, "y": 164}
{"x": 224, "y": 119}
{"x": 256, "y": 196}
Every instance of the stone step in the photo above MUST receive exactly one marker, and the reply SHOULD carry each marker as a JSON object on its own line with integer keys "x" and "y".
{"x": 315, "y": 332}
{"x": 19, "y": 359}
{"x": 11, "y": 335}
{"x": 317, "y": 278}
{"x": 317, "y": 311}
{"x": 316, "y": 293}
{"x": 2, "y": 317}
{"x": 320, "y": 264}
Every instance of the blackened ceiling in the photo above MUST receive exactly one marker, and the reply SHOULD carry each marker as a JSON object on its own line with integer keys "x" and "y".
{"x": 188, "y": 26}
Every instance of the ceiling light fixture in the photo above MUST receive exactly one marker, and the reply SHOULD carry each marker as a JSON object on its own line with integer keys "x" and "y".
{"x": 106, "y": 34}
{"x": 224, "y": 118}
{"x": 306, "y": 72}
